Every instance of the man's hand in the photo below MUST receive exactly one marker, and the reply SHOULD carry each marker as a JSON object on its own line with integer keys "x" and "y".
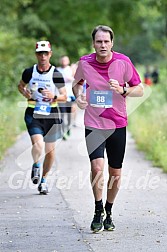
{"x": 47, "y": 94}
{"x": 114, "y": 85}
{"x": 81, "y": 101}
{"x": 27, "y": 93}
{"x": 24, "y": 91}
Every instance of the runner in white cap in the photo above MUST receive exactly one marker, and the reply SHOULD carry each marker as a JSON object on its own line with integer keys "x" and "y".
{"x": 38, "y": 84}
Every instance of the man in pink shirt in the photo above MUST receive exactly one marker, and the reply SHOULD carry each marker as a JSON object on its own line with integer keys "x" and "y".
{"x": 110, "y": 77}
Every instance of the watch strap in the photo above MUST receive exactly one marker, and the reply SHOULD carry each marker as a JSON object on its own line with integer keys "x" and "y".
{"x": 124, "y": 90}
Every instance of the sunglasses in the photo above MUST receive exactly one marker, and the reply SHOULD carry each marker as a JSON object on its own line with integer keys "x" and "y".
{"x": 43, "y": 53}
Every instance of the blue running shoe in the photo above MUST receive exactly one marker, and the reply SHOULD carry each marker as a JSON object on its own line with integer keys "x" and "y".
{"x": 43, "y": 188}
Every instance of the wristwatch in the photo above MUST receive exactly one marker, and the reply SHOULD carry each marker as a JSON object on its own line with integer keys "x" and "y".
{"x": 124, "y": 90}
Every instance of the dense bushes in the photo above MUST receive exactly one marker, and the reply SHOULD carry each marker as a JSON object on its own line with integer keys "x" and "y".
{"x": 16, "y": 54}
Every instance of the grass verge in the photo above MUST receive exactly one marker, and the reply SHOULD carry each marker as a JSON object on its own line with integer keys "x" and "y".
{"x": 148, "y": 125}
{"x": 12, "y": 123}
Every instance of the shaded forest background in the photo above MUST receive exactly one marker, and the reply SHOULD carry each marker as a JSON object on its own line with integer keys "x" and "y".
{"x": 140, "y": 28}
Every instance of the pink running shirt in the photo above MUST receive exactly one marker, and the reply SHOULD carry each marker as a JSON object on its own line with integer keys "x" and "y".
{"x": 97, "y": 76}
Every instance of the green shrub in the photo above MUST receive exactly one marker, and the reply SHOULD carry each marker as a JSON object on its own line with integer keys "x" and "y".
{"x": 148, "y": 125}
{"x": 12, "y": 123}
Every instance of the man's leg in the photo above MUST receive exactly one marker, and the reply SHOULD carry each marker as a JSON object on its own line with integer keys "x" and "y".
{"x": 113, "y": 184}
{"x": 69, "y": 115}
{"x": 97, "y": 182}
{"x": 112, "y": 190}
{"x": 49, "y": 158}
{"x": 47, "y": 165}
{"x": 115, "y": 147}
{"x": 95, "y": 141}
{"x": 62, "y": 110}
{"x": 37, "y": 148}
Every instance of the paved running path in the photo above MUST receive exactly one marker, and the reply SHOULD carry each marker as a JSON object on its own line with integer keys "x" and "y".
{"x": 59, "y": 222}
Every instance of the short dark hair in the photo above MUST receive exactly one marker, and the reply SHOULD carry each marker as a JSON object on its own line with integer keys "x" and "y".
{"x": 102, "y": 28}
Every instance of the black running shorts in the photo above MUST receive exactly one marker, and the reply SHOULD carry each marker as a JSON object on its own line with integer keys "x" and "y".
{"x": 47, "y": 125}
{"x": 113, "y": 141}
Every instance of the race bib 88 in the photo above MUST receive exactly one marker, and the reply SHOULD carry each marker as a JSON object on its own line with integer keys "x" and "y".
{"x": 101, "y": 99}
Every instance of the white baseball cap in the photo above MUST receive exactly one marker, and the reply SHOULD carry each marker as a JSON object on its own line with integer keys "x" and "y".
{"x": 43, "y": 46}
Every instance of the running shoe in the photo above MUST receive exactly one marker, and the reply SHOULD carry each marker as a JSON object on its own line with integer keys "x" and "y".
{"x": 35, "y": 173}
{"x": 43, "y": 188}
{"x": 97, "y": 223}
{"x": 65, "y": 137}
{"x": 68, "y": 132}
{"x": 108, "y": 223}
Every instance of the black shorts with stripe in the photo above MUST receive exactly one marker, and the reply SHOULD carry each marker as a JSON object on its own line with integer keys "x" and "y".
{"x": 113, "y": 141}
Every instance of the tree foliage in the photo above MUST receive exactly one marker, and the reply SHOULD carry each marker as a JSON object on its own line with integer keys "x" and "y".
{"x": 140, "y": 28}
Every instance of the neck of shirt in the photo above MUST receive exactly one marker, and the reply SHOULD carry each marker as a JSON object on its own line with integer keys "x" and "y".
{"x": 43, "y": 68}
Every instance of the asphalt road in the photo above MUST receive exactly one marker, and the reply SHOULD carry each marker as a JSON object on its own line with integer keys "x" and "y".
{"x": 60, "y": 221}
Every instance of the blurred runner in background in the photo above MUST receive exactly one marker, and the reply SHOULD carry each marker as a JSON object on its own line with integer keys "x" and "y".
{"x": 68, "y": 109}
